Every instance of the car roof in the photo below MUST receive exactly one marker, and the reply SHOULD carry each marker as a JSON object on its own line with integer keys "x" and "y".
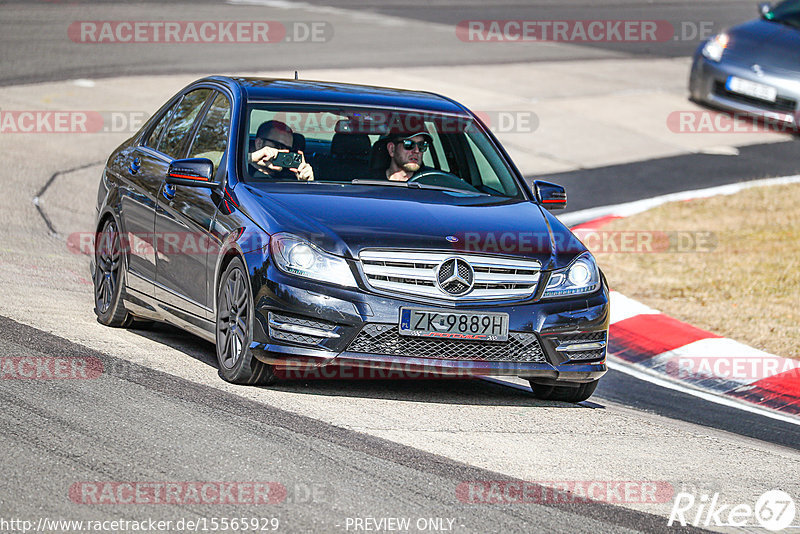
{"x": 287, "y": 90}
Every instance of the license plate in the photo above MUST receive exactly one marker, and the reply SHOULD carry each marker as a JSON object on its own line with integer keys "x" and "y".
{"x": 454, "y": 325}
{"x": 756, "y": 90}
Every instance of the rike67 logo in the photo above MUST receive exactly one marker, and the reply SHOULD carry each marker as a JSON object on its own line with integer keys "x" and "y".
{"x": 774, "y": 511}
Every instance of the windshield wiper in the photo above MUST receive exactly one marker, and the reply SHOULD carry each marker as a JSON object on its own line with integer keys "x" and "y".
{"x": 450, "y": 189}
{"x": 358, "y": 181}
{"x": 416, "y": 185}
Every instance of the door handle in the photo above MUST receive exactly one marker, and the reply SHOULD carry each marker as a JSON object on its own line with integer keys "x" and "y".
{"x": 135, "y": 166}
{"x": 168, "y": 191}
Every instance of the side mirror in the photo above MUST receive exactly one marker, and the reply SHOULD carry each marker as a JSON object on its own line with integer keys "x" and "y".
{"x": 551, "y": 196}
{"x": 764, "y": 8}
{"x": 194, "y": 172}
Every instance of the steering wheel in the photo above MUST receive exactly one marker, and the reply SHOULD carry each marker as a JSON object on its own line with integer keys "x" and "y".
{"x": 443, "y": 179}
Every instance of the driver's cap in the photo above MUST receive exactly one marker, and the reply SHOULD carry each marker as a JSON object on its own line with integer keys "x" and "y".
{"x": 394, "y": 137}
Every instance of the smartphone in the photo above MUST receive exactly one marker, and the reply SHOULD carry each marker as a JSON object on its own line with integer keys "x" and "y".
{"x": 288, "y": 160}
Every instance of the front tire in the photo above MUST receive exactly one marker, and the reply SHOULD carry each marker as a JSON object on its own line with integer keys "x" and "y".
{"x": 234, "y": 330}
{"x": 572, "y": 393}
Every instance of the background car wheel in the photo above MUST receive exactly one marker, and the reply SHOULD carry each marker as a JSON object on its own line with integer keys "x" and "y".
{"x": 577, "y": 393}
{"x": 235, "y": 330}
{"x": 109, "y": 278}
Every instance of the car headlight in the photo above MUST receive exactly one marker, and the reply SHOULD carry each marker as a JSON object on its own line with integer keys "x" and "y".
{"x": 582, "y": 276}
{"x": 715, "y": 46}
{"x": 298, "y": 257}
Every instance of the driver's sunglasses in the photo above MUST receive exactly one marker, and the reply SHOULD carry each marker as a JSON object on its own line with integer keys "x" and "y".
{"x": 276, "y": 144}
{"x": 408, "y": 144}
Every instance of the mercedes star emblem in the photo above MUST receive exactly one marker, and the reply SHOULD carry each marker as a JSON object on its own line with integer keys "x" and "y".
{"x": 455, "y": 276}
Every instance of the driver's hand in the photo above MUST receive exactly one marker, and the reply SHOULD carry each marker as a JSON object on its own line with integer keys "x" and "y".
{"x": 304, "y": 172}
{"x": 264, "y": 156}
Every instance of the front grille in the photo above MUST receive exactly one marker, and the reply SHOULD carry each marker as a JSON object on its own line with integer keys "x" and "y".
{"x": 415, "y": 273}
{"x": 781, "y": 104}
{"x": 385, "y": 339}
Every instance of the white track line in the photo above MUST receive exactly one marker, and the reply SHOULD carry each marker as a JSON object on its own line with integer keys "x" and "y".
{"x": 640, "y": 375}
{"x": 638, "y": 206}
{"x": 711, "y": 397}
{"x": 631, "y": 208}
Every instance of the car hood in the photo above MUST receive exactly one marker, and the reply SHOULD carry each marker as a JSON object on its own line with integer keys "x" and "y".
{"x": 770, "y": 44}
{"x": 345, "y": 219}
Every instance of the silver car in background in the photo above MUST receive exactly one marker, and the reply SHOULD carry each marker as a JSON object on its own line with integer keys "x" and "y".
{"x": 753, "y": 68}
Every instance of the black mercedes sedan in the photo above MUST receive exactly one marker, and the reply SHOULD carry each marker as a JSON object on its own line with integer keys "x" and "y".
{"x": 312, "y": 225}
{"x": 754, "y": 68}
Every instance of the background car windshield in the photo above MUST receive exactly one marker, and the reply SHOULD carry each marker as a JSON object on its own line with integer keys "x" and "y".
{"x": 345, "y": 144}
{"x": 786, "y": 12}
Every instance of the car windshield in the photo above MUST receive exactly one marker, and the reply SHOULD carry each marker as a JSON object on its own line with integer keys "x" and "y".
{"x": 350, "y": 146}
{"x": 785, "y": 13}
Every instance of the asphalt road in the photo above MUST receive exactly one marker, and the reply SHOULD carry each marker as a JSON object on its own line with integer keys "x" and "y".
{"x": 688, "y": 19}
{"x": 39, "y": 41}
{"x": 134, "y": 424}
{"x": 618, "y": 387}
{"x": 616, "y": 184}
{"x": 342, "y": 449}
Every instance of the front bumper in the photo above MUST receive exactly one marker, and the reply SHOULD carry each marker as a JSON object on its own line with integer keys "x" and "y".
{"x": 707, "y": 84}
{"x": 358, "y": 329}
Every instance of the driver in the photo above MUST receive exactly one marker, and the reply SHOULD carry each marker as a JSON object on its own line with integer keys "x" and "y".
{"x": 405, "y": 155}
{"x": 272, "y": 138}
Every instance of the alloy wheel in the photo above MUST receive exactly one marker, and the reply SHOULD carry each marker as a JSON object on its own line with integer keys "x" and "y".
{"x": 108, "y": 268}
{"x": 233, "y": 319}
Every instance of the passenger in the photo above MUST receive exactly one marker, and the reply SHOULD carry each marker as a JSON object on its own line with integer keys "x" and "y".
{"x": 272, "y": 138}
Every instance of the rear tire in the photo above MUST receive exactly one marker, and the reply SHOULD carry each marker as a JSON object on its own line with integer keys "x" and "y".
{"x": 234, "y": 330}
{"x": 576, "y": 393}
{"x": 109, "y": 278}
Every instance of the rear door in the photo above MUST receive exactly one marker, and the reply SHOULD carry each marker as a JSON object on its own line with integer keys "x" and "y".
{"x": 184, "y": 216}
{"x": 143, "y": 167}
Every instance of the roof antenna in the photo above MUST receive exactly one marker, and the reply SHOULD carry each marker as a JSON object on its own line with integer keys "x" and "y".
{"x": 295, "y": 75}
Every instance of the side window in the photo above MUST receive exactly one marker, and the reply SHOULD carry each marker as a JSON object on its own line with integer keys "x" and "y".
{"x": 435, "y": 155}
{"x": 155, "y": 135}
{"x": 492, "y": 170}
{"x": 182, "y": 120}
{"x": 487, "y": 175}
{"x": 212, "y": 135}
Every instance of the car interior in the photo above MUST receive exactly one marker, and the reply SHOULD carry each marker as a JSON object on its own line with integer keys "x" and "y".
{"x": 340, "y": 149}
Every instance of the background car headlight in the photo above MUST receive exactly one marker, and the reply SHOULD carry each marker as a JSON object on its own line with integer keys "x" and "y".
{"x": 582, "y": 276}
{"x": 298, "y": 257}
{"x": 716, "y": 46}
